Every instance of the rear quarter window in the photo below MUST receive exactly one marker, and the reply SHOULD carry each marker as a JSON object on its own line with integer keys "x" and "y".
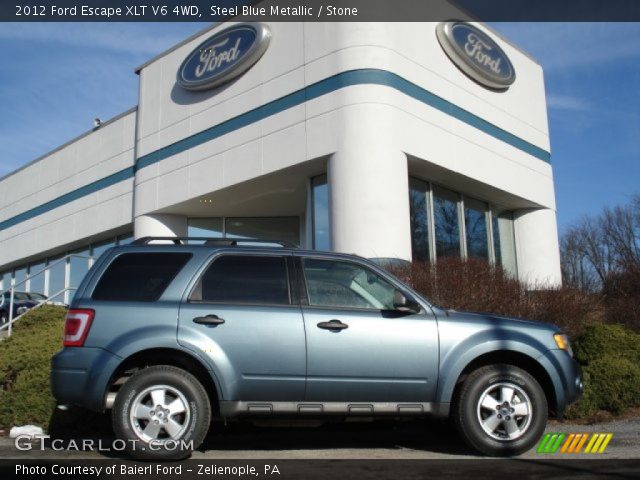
{"x": 139, "y": 277}
{"x": 245, "y": 279}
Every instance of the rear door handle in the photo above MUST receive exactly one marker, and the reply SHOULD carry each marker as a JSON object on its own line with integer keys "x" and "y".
{"x": 334, "y": 325}
{"x": 210, "y": 319}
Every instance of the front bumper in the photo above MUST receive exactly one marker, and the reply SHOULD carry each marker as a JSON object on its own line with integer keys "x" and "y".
{"x": 566, "y": 376}
{"x": 80, "y": 375}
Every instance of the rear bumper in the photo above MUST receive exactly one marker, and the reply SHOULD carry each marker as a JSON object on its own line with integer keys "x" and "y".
{"x": 566, "y": 376}
{"x": 80, "y": 375}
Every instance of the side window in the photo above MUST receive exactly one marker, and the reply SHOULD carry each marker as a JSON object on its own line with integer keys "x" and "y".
{"x": 139, "y": 277}
{"x": 244, "y": 279}
{"x": 333, "y": 283}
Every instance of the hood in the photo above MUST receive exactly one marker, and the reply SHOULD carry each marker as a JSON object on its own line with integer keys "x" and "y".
{"x": 491, "y": 319}
{"x": 461, "y": 331}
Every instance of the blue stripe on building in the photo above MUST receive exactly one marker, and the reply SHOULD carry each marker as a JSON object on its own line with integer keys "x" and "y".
{"x": 69, "y": 197}
{"x": 323, "y": 87}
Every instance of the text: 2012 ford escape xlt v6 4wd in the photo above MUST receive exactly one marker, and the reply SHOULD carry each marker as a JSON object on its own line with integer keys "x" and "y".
{"x": 170, "y": 335}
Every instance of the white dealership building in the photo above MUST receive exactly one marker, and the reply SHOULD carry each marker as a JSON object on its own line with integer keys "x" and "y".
{"x": 389, "y": 140}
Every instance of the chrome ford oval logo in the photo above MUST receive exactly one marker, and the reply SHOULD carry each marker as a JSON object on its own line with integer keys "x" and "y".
{"x": 224, "y": 56}
{"x": 476, "y": 54}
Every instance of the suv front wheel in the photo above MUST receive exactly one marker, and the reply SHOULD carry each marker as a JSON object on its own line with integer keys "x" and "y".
{"x": 500, "y": 410}
{"x": 161, "y": 413}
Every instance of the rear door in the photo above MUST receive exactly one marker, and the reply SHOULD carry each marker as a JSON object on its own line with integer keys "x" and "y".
{"x": 358, "y": 347}
{"x": 240, "y": 313}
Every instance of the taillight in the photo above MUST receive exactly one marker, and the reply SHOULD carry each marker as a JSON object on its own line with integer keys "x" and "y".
{"x": 76, "y": 326}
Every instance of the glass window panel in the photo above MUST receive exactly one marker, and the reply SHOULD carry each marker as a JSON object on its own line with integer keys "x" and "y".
{"x": 344, "y": 284}
{"x": 447, "y": 224}
{"x": 419, "y": 216}
{"x": 496, "y": 238}
{"x": 504, "y": 242}
{"x": 5, "y": 280}
{"x": 245, "y": 279}
{"x": 320, "y": 212}
{"x": 79, "y": 268}
{"x": 37, "y": 279}
{"x": 19, "y": 275}
{"x": 475, "y": 223}
{"x": 139, "y": 277}
{"x": 56, "y": 279}
{"x": 272, "y": 228}
{"x": 204, "y": 227}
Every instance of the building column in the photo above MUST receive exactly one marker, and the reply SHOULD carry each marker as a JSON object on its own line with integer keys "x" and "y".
{"x": 160, "y": 225}
{"x": 369, "y": 188}
{"x": 537, "y": 247}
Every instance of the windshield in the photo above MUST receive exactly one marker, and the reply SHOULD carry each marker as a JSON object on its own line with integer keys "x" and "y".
{"x": 38, "y": 297}
{"x": 18, "y": 296}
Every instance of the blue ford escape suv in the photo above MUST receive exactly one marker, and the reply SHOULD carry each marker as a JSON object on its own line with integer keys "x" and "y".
{"x": 168, "y": 333}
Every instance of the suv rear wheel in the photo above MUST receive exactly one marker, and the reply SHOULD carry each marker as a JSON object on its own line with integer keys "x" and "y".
{"x": 500, "y": 410}
{"x": 162, "y": 413}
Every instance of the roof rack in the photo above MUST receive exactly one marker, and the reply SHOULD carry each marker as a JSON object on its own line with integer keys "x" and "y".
{"x": 213, "y": 242}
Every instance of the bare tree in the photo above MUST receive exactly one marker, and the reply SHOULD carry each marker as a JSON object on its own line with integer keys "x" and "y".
{"x": 584, "y": 257}
{"x": 597, "y": 247}
{"x": 621, "y": 229}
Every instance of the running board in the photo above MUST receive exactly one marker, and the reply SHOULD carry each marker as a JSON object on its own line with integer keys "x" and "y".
{"x": 234, "y": 409}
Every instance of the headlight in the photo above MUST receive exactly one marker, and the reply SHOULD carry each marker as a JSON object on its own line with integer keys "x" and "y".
{"x": 562, "y": 341}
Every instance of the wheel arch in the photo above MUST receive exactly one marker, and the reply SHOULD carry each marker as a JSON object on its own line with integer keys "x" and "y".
{"x": 517, "y": 359}
{"x": 164, "y": 356}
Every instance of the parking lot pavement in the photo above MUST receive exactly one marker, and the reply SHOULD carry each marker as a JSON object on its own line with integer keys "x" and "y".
{"x": 419, "y": 439}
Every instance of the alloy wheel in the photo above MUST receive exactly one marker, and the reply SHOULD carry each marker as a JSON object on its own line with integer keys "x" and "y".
{"x": 160, "y": 413}
{"x": 504, "y": 411}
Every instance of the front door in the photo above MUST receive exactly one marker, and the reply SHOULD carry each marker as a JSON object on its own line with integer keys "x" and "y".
{"x": 241, "y": 316}
{"x": 358, "y": 347}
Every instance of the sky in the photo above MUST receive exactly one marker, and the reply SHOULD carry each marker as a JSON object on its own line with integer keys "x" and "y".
{"x": 56, "y": 78}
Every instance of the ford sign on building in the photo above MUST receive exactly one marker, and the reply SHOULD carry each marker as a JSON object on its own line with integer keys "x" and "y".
{"x": 224, "y": 56}
{"x": 476, "y": 54}
{"x": 407, "y": 141}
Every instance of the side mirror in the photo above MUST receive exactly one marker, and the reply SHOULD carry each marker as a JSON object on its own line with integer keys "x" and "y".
{"x": 403, "y": 304}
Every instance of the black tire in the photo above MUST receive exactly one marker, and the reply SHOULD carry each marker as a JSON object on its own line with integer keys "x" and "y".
{"x": 469, "y": 417}
{"x": 177, "y": 384}
{"x": 3, "y": 318}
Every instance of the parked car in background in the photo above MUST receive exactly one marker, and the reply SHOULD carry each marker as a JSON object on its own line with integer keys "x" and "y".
{"x": 50, "y": 301}
{"x": 22, "y": 301}
{"x": 37, "y": 297}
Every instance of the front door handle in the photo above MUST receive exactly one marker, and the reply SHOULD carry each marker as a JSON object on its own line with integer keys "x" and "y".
{"x": 335, "y": 325}
{"x": 210, "y": 319}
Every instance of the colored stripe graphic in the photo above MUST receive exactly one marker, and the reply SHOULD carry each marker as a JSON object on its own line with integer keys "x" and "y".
{"x": 607, "y": 439}
{"x": 581, "y": 442}
{"x": 543, "y": 443}
{"x": 591, "y": 442}
{"x": 554, "y": 447}
{"x": 573, "y": 443}
{"x": 567, "y": 443}
{"x": 550, "y": 443}
{"x": 578, "y": 441}
{"x": 598, "y": 443}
